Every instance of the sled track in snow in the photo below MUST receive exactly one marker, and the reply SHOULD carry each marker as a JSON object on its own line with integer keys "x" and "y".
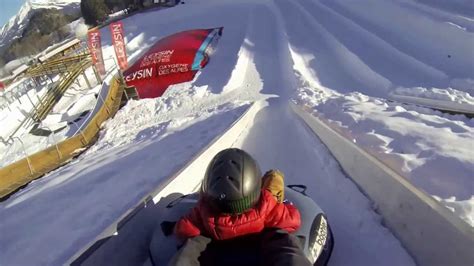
{"x": 260, "y": 64}
{"x": 277, "y": 110}
{"x": 280, "y": 135}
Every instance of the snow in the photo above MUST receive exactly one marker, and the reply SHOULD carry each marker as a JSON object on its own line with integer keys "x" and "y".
{"x": 80, "y": 29}
{"x": 14, "y": 64}
{"x": 448, "y": 94}
{"x": 431, "y": 149}
{"x": 461, "y": 8}
{"x": 63, "y": 120}
{"x": 341, "y": 58}
{"x": 20, "y": 105}
{"x": 432, "y": 42}
{"x": 408, "y": 140}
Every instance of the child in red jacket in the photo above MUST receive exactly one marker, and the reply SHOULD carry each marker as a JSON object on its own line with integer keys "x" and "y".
{"x": 237, "y": 203}
{"x": 233, "y": 202}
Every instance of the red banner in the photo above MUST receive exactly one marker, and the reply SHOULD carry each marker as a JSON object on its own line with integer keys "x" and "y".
{"x": 116, "y": 28}
{"x": 95, "y": 48}
{"x": 173, "y": 59}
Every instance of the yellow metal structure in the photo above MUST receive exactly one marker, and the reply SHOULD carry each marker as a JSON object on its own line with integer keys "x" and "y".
{"x": 58, "y": 66}
{"x": 56, "y": 92}
{"x": 20, "y": 173}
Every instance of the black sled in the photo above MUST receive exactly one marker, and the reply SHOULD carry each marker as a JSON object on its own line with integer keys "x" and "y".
{"x": 144, "y": 237}
{"x": 315, "y": 233}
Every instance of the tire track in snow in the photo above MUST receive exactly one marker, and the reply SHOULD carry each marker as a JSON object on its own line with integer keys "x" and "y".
{"x": 413, "y": 34}
{"x": 462, "y": 23}
{"x": 278, "y": 139}
{"x": 334, "y": 65}
{"x": 460, "y": 8}
{"x": 377, "y": 54}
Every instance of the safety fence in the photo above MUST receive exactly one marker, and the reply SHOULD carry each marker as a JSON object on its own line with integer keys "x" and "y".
{"x": 20, "y": 173}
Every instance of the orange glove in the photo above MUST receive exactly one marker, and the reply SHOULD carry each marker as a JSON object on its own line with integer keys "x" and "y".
{"x": 273, "y": 181}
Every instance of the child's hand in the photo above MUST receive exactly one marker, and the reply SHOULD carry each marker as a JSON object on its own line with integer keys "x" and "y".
{"x": 273, "y": 181}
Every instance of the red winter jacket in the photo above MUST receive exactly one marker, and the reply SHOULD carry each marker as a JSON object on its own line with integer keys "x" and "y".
{"x": 268, "y": 213}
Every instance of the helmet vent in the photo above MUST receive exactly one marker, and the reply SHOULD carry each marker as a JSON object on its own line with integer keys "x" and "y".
{"x": 235, "y": 163}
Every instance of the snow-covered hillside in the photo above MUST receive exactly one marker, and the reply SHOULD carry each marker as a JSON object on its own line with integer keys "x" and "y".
{"x": 14, "y": 27}
{"x": 342, "y": 59}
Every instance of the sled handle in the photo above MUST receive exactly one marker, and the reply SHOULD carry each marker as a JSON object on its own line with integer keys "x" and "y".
{"x": 299, "y": 188}
{"x": 167, "y": 227}
{"x": 175, "y": 201}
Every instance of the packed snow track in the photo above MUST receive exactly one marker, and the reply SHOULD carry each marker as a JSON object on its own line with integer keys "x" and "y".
{"x": 321, "y": 53}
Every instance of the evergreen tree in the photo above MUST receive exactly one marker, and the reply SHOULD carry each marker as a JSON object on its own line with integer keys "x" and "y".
{"x": 94, "y": 11}
{"x": 117, "y": 5}
{"x": 46, "y": 26}
{"x": 46, "y": 21}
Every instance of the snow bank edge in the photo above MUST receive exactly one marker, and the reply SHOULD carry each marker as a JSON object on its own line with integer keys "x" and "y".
{"x": 435, "y": 104}
{"x": 428, "y": 230}
{"x": 199, "y": 163}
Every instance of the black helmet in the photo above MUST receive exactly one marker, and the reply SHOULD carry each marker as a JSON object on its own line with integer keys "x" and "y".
{"x": 232, "y": 182}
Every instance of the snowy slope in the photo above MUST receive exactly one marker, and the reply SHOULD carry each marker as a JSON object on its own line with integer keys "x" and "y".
{"x": 337, "y": 57}
{"x": 14, "y": 27}
{"x": 434, "y": 150}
